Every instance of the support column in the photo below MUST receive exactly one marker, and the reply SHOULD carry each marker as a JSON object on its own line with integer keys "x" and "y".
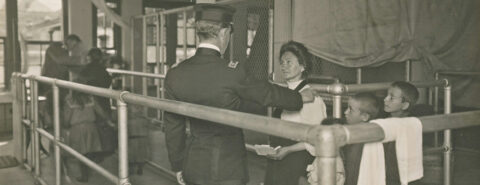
{"x": 132, "y": 43}
{"x": 80, "y": 20}
{"x": 12, "y": 46}
{"x": 240, "y": 36}
{"x": 282, "y": 25}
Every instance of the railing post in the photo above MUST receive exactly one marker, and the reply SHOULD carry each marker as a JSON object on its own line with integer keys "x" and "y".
{"x": 122, "y": 143}
{"x": 36, "y": 139}
{"x": 56, "y": 133}
{"x": 32, "y": 132}
{"x": 24, "y": 116}
{"x": 359, "y": 75}
{"x": 326, "y": 151}
{"x": 447, "y": 154}
{"x": 337, "y": 89}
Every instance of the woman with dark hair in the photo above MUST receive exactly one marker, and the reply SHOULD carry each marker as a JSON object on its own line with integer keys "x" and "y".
{"x": 291, "y": 159}
{"x": 95, "y": 74}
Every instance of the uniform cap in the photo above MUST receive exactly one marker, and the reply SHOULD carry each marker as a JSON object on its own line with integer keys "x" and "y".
{"x": 214, "y": 12}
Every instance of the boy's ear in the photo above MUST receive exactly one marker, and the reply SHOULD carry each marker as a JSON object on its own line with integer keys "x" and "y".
{"x": 405, "y": 105}
{"x": 365, "y": 117}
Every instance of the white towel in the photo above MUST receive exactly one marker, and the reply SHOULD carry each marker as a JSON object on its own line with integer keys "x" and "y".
{"x": 372, "y": 165}
{"x": 407, "y": 134}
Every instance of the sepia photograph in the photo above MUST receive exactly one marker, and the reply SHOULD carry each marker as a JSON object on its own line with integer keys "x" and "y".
{"x": 239, "y": 92}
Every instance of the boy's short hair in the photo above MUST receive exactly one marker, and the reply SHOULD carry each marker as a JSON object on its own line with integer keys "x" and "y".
{"x": 370, "y": 104}
{"x": 73, "y": 37}
{"x": 409, "y": 92}
{"x": 331, "y": 121}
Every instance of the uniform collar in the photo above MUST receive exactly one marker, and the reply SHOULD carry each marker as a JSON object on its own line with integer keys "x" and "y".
{"x": 208, "y": 45}
{"x": 207, "y": 49}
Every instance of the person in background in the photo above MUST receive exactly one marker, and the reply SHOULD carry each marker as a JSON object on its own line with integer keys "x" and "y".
{"x": 95, "y": 74}
{"x": 362, "y": 108}
{"x": 79, "y": 115}
{"x": 138, "y": 145}
{"x": 401, "y": 98}
{"x": 289, "y": 163}
{"x": 214, "y": 153}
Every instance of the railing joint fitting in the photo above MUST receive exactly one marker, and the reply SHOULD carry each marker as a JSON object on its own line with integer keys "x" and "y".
{"x": 120, "y": 97}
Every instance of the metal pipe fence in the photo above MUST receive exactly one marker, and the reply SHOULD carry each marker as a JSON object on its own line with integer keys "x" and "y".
{"x": 326, "y": 139}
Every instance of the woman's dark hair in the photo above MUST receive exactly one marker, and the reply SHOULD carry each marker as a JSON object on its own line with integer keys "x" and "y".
{"x": 301, "y": 52}
{"x": 95, "y": 54}
{"x": 80, "y": 98}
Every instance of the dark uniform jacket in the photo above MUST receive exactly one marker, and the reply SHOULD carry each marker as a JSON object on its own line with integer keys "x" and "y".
{"x": 214, "y": 152}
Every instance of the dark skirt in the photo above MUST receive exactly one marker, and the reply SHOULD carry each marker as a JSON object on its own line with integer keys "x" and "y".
{"x": 288, "y": 170}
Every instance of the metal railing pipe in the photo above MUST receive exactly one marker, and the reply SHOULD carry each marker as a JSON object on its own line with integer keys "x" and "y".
{"x": 272, "y": 126}
{"x": 408, "y": 70}
{"x": 122, "y": 143}
{"x": 435, "y": 96}
{"x": 32, "y": 132}
{"x": 359, "y": 75}
{"x": 447, "y": 140}
{"x": 80, "y": 157}
{"x": 370, "y": 132}
{"x": 185, "y": 43}
{"x": 36, "y": 140}
{"x": 97, "y": 91}
{"x": 355, "y": 88}
{"x": 462, "y": 73}
{"x": 337, "y": 106}
{"x": 56, "y": 133}
{"x": 188, "y": 8}
{"x": 326, "y": 141}
{"x": 135, "y": 73}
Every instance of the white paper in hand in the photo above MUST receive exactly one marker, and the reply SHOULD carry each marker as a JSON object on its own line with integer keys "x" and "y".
{"x": 265, "y": 149}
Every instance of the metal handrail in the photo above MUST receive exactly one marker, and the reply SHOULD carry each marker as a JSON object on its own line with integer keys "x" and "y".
{"x": 135, "y": 73}
{"x": 326, "y": 139}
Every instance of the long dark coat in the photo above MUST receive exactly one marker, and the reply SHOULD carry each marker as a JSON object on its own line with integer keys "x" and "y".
{"x": 215, "y": 152}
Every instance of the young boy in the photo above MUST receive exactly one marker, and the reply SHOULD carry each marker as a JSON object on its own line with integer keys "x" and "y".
{"x": 362, "y": 108}
{"x": 400, "y": 99}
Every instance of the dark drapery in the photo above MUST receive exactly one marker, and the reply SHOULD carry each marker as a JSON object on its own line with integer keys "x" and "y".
{"x": 443, "y": 34}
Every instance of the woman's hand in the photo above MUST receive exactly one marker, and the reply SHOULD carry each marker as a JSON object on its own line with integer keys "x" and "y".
{"x": 281, "y": 153}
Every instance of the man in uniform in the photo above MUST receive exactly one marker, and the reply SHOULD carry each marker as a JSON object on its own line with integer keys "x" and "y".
{"x": 213, "y": 153}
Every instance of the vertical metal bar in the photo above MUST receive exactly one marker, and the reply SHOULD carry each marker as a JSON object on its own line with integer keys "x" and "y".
{"x": 430, "y": 102}
{"x": 122, "y": 143}
{"x": 56, "y": 133}
{"x": 337, "y": 106}
{"x": 36, "y": 139}
{"x": 359, "y": 75}
{"x": 144, "y": 61}
{"x": 185, "y": 55}
{"x": 435, "y": 96}
{"x": 271, "y": 51}
{"x": 24, "y": 116}
{"x": 24, "y": 98}
{"x": 447, "y": 140}
{"x": 32, "y": 132}
{"x": 163, "y": 58}
{"x": 326, "y": 153}
{"x": 157, "y": 59}
{"x": 124, "y": 83}
{"x": 408, "y": 70}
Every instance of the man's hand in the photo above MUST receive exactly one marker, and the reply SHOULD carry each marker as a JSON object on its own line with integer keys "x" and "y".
{"x": 180, "y": 178}
{"x": 308, "y": 95}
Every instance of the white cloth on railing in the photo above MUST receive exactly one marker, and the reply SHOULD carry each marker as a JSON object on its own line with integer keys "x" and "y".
{"x": 372, "y": 165}
{"x": 407, "y": 132}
